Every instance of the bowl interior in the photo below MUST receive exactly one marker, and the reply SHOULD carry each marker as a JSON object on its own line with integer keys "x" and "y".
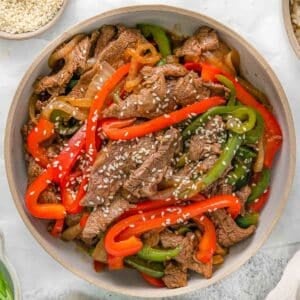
{"x": 253, "y": 67}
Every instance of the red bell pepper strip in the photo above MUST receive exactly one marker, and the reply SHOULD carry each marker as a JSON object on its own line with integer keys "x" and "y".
{"x": 208, "y": 242}
{"x": 161, "y": 122}
{"x": 126, "y": 229}
{"x": 66, "y": 195}
{"x": 66, "y": 159}
{"x": 209, "y": 72}
{"x": 186, "y": 212}
{"x": 192, "y": 66}
{"x": 43, "y": 211}
{"x": 57, "y": 227}
{"x": 40, "y": 133}
{"x": 98, "y": 266}
{"x": 146, "y": 206}
{"x": 75, "y": 207}
{"x": 83, "y": 220}
{"x": 115, "y": 262}
{"x": 97, "y": 105}
{"x": 152, "y": 204}
{"x": 153, "y": 281}
{"x": 112, "y": 243}
{"x": 258, "y": 205}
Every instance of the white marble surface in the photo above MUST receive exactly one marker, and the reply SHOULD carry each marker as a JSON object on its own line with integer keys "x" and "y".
{"x": 260, "y": 22}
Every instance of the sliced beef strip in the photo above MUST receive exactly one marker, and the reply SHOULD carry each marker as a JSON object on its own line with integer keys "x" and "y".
{"x": 174, "y": 276}
{"x": 147, "y": 103}
{"x": 75, "y": 61}
{"x": 144, "y": 180}
{"x": 112, "y": 168}
{"x": 106, "y": 35}
{"x": 243, "y": 195}
{"x": 204, "y": 39}
{"x": 228, "y": 232}
{"x": 169, "y": 239}
{"x": 207, "y": 143}
{"x": 108, "y": 173}
{"x": 102, "y": 217}
{"x": 79, "y": 90}
{"x": 161, "y": 95}
{"x": 188, "y": 244}
{"x": 114, "y": 52}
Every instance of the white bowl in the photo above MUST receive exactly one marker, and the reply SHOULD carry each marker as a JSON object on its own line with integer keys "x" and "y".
{"x": 286, "y": 12}
{"x": 253, "y": 66}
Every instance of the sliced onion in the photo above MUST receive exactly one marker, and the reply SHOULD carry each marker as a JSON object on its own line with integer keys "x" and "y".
{"x": 63, "y": 106}
{"x": 106, "y": 71}
{"x": 78, "y": 102}
{"x": 63, "y": 51}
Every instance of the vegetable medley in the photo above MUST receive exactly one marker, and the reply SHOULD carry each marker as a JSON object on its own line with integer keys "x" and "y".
{"x": 149, "y": 150}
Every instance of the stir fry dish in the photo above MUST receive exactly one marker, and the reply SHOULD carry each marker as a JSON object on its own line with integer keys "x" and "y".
{"x": 149, "y": 150}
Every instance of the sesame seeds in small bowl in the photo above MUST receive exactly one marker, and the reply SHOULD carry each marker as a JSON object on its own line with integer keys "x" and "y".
{"x": 23, "y": 19}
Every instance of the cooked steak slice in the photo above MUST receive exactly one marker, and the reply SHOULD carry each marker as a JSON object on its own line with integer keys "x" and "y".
{"x": 168, "y": 70}
{"x": 188, "y": 245}
{"x": 144, "y": 180}
{"x": 75, "y": 61}
{"x": 207, "y": 142}
{"x": 243, "y": 195}
{"x": 108, "y": 174}
{"x": 174, "y": 276}
{"x": 106, "y": 35}
{"x": 169, "y": 239}
{"x": 147, "y": 103}
{"x": 161, "y": 95}
{"x": 79, "y": 90}
{"x": 114, "y": 51}
{"x": 102, "y": 217}
{"x": 204, "y": 39}
{"x": 228, "y": 232}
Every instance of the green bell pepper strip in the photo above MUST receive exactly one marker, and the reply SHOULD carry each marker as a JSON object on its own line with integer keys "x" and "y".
{"x": 242, "y": 168}
{"x": 239, "y": 175}
{"x": 194, "y": 187}
{"x": 153, "y": 269}
{"x": 159, "y": 35}
{"x": 62, "y": 124}
{"x": 229, "y": 84}
{"x": 240, "y": 112}
{"x": 261, "y": 185}
{"x": 253, "y": 136}
{"x": 159, "y": 255}
{"x": 247, "y": 220}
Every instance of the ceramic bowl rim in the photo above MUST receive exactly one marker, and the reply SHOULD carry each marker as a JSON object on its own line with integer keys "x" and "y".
{"x": 170, "y": 9}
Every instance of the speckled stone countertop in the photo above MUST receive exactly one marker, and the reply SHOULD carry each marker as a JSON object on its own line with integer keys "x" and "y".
{"x": 260, "y": 22}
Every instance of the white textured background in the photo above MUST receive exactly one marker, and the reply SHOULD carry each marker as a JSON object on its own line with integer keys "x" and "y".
{"x": 260, "y": 22}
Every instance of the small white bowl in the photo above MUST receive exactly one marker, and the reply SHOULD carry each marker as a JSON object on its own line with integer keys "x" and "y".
{"x": 253, "y": 66}
{"x": 28, "y": 35}
{"x": 289, "y": 27}
{"x": 9, "y": 271}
